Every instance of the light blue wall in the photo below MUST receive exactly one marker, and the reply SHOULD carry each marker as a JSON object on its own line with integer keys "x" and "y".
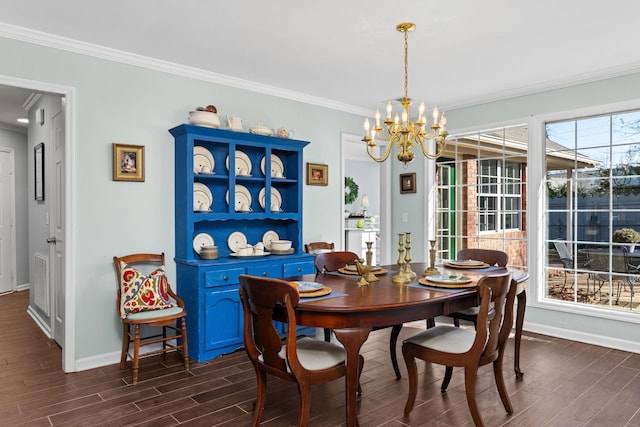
{"x": 127, "y": 104}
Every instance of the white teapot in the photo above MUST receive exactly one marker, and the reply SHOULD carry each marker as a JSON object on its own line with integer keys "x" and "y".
{"x": 235, "y": 123}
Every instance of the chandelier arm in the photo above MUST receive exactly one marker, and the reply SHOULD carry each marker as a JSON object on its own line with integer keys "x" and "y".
{"x": 384, "y": 155}
{"x": 427, "y": 154}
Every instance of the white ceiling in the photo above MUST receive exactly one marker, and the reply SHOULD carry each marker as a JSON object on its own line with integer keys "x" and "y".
{"x": 348, "y": 52}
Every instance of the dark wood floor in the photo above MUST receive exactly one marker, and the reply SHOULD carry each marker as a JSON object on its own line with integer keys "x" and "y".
{"x": 565, "y": 384}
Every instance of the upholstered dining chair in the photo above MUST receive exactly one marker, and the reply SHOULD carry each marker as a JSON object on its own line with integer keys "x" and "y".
{"x": 318, "y": 247}
{"x": 305, "y": 361}
{"x": 488, "y": 256}
{"x": 450, "y": 346}
{"x": 332, "y": 261}
{"x": 147, "y": 299}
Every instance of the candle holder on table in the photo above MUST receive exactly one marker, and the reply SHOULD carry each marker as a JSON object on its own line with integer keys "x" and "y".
{"x": 432, "y": 270}
{"x": 400, "y": 277}
{"x": 408, "y": 272}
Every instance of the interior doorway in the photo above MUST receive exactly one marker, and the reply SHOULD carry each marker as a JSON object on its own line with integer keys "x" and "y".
{"x": 60, "y": 278}
{"x": 358, "y": 165}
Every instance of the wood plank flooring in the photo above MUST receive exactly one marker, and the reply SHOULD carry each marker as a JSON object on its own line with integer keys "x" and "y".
{"x": 566, "y": 383}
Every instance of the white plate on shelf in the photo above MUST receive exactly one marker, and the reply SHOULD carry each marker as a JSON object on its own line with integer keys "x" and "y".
{"x": 202, "y": 158}
{"x": 249, "y": 256}
{"x": 243, "y": 196}
{"x": 276, "y": 197}
{"x": 277, "y": 167}
{"x": 202, "y": 239}
{"x": 201, "y": 197}
{"x": 242, "y": 162}
{"x": 236, "y": 240}
{"x": 269, "y": 237}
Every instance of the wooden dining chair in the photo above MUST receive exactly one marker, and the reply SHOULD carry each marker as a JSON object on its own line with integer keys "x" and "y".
{"x": 332, "y": 261}
{"x": 488, "y": 256}
{"x": 147, "y": 299}
{"x": 305, "y": 361}
{"x": 318, "y": 247}
{"x": 450, "y": 346}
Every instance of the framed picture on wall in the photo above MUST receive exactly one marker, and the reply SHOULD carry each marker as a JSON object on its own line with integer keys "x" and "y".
{"x": 317, "y": 174}
{"x": 38, "y": 158}
{"x": 407, "y": 183}
{"x": 128, "y": 162}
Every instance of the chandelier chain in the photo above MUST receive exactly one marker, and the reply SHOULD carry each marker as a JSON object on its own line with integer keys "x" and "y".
{"x": 406, "y": 64}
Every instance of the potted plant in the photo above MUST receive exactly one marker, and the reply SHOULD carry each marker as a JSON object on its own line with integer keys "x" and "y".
{"x": 626, "y": 235}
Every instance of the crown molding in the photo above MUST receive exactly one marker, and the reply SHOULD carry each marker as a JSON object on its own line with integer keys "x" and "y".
{"x": 102, "y": 52}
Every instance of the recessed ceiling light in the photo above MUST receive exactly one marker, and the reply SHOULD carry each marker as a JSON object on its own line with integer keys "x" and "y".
{"x": 23, "y": 119}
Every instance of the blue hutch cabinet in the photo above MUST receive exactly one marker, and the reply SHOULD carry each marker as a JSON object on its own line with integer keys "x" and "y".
{"x": 210, "y": 287}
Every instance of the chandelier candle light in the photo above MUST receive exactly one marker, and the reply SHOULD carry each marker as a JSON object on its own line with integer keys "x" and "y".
{"x": 401, "y": 131}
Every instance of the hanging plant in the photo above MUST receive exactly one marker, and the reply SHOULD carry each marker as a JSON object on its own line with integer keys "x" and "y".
{"x": 350, "y": 190}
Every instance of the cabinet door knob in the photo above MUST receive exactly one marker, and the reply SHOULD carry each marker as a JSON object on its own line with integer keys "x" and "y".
{"x": 299, "y": 269}
{"x": 225, "y": 278}
{"x": 264, "y": 274}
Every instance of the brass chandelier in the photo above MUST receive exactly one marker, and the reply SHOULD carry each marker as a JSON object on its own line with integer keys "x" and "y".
{"x": 401, "y": 131}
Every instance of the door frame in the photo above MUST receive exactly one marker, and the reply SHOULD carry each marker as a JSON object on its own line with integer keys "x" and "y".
{"x": 69, "y": 347}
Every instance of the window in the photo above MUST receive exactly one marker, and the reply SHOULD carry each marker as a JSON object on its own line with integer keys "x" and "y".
{"x": 481, "y": 193}
{"x": 593, "y": 209}
{"x": 499, "y": 195}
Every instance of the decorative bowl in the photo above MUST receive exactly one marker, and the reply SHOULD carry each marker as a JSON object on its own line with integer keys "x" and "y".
{"x": 281, "y": 245}
{"x": 204, "y": 118}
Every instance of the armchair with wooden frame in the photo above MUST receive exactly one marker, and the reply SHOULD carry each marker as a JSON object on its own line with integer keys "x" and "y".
{"x": 305, "y": 361}
{"x": 450, "y": 346}
{"x": 166, "y": 318}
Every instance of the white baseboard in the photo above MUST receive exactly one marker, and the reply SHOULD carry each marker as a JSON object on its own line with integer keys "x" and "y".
{"x": 618, "y": 344}
{"x": 111, "y": 358}
{"x": 46, "y": 329}
{"x": 23, "y": 287}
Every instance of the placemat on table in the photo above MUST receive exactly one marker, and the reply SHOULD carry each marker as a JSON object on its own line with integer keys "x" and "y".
{"x": 304, "y": 298}
{"x": 355, "y": 272}
{"x": 435, "y": 288}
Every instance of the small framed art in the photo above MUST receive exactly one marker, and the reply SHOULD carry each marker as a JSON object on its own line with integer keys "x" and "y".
{"x": 128, "y": 162}
{"x": 407, "y": 183}
{"x": 317, "y": 174}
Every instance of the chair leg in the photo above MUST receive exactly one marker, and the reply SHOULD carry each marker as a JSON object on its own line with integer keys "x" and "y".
{"x": 305, "y": 403}
{"x": 522, "y": 303}
{"x": 136, "y": 351}
{"x": 185, "y": 349}
{"x": 412, "y": 372}
{"x": 447, "y": 378}
{"x": 502, "y": 390}
{"x": 470, "y": 389}
{"x": 261, "y": 396}
{"x": 393, "y": 340}
{"x": 360, "y": 368}
{"x": 327, "y": 334}
{"x": 125, "y": 345}
{"x": 456, "y": 322}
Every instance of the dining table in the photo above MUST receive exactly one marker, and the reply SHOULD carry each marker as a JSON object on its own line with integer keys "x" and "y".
{"x": 353, "y": 310}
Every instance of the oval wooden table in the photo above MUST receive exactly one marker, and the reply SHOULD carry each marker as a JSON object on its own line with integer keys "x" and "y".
{"x": 380, "y": 304}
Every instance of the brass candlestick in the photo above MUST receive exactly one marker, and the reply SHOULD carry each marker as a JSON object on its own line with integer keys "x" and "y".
{"x": 410, "y": 274}
{"x": 400, "y": 278}
{"x": 432, "y": 260}
{"x": 369, "y": 276}
{"x": 363, "y": 270}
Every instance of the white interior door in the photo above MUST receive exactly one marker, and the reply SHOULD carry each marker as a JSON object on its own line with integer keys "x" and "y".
{"x": 57, "y": 248}
{"x": 7, "y": 247}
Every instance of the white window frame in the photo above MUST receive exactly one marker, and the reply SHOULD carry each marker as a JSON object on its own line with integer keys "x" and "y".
{"x": 536, "y": 197}
{"x": 500, "y": 195}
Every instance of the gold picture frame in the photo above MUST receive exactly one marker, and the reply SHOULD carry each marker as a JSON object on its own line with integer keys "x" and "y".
{"x": 407, "y": 183}
{"x": 128, "y": 162}
{"x": 317, "y": 174}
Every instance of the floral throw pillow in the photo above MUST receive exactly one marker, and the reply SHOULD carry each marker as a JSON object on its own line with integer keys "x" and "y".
{"x": 143, "y": 293}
